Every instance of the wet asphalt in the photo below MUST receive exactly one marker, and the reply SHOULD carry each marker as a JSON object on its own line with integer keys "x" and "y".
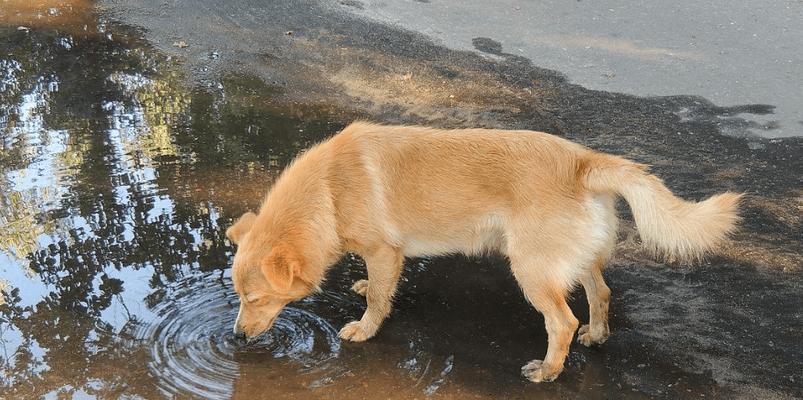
{"x": 135, "y": 131}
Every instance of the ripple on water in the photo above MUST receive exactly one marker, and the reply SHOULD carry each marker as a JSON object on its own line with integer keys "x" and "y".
{"x": 195, "y": 352}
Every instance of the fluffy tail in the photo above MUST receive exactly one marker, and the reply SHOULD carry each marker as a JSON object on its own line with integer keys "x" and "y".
{"x": 669, "y": 226}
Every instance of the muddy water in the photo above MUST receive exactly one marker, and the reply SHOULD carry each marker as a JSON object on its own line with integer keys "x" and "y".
{"x": 117, "y": 181}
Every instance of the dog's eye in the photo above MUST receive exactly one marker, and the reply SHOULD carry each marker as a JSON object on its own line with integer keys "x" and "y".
{"x": 250, "y": 298}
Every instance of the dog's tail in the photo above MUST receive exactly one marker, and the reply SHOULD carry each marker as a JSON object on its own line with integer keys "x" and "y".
{"x": 669, "y": 226}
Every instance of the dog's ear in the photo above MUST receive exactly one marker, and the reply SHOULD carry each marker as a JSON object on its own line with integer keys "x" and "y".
{"x": 240, "y": 227}
{"x": 282, "y": 266}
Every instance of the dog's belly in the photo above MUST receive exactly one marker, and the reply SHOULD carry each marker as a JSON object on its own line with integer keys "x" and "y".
{"x": 483, "y": 236}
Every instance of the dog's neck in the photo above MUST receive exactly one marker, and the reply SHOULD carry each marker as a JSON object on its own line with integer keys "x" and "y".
{"x": 300, "y": 210}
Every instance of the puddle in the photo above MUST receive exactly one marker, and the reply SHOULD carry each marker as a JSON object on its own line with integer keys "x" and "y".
{"x": 73, "y": 16}
{"x": 194, "y": 350}
{"x": 117, "y": 181}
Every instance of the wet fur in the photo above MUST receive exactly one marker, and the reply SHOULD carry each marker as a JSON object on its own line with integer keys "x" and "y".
{"x": 389, "y": 192}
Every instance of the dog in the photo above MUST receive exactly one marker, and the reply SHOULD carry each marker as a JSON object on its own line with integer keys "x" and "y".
{"x": 390, "y": 192}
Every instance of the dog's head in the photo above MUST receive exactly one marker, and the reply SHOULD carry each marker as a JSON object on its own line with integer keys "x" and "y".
{"x": 268, "y": 273}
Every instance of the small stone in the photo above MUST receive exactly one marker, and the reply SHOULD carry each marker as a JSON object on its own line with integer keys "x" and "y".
{"x": 181, "y": 44}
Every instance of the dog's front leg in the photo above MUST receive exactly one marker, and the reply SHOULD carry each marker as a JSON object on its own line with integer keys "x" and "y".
{"x": 384, "y": 265}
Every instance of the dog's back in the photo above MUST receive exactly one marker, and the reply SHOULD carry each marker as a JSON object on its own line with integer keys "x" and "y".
{"x": 443, "y": 191}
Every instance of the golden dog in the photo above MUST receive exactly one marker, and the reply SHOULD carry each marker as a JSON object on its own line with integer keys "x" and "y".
{"x": 389, "y": 192}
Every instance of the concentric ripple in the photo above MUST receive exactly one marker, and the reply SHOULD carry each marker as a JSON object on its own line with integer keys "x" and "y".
{"x": 194, "y": 351}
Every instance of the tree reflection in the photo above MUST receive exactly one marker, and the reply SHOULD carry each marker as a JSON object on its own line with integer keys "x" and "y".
{"x": 112, "y": 172}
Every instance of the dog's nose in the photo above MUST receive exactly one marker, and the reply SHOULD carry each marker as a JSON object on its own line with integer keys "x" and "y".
{"x": 237, "y": 331}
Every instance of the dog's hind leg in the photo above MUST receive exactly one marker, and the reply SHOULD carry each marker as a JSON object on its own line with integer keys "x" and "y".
{"x": 599, "y": 295}
{"x": 384, "y": 268}
{"x": 546, "y": 291}
{"x": 560, "y": 325}
{"x": 603, "y": 228}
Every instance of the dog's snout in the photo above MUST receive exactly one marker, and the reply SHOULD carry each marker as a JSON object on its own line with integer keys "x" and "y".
{"x": 237, "y": 329}
{"x": 240, "y": 335}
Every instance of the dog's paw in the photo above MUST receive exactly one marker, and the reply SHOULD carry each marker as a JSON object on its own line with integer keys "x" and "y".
{"x": 361, "y": 287}
{"x": 355, "y": 331}
{"x": 535, "y": 371}
{"x": 585, "y": 337}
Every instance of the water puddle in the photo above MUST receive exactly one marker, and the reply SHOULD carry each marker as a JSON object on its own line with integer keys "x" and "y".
{"x": 194, "y": 351}
{"x": 117, "y": 181}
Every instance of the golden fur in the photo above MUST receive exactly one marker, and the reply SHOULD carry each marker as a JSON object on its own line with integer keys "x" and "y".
{"x": 388, "y": 192}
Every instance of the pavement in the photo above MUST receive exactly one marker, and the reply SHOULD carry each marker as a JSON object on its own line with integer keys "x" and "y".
{"x": 730, "y": 52}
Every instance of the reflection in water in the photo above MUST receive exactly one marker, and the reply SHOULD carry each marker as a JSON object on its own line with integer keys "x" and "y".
{"x": 108, "y": 194}
{"x": 193, "y": 349}
{"x": 114, "y": 177}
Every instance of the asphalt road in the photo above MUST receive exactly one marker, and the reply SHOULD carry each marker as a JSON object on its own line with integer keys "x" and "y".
{"x": 730, "y": 52}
